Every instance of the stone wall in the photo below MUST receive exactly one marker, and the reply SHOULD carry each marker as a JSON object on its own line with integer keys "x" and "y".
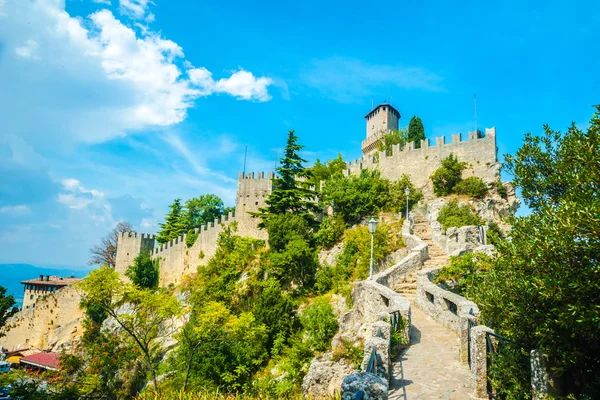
{"x": 252, "y": 192}
{"x": 419, "y": 164}
{"x": 129, "y": 245}
{"x": 176, "y": 259}
{"x": 54, "y": 322}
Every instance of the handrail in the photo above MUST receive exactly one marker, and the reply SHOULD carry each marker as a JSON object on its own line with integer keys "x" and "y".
{"x": 372, "y": 364}
{"x": 395, "y": 318}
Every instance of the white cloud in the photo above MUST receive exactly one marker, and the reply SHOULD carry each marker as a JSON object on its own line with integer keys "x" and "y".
{"x": 348, "y": 80}
{"x": 105, "y": 2}
{"x": 29, "y": 50}
{"x": 135, "y": 8}
{"x": 241, "y": 84}
{"x": 18, "y": 209}
{"x": 106, "y": 80}
{"x": 78, "y": 197}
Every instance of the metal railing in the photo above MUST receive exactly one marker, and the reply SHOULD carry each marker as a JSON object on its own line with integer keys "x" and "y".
{"x": 395, "y": 320}
{"x": 372, "y": 364}
{"x": 470, "y": 324}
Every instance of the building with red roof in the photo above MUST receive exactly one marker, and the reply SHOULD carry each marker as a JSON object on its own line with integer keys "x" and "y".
{"x": 41, "y": 362}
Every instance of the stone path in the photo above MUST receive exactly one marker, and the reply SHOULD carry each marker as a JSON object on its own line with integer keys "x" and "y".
{"x": 429, "y": 368}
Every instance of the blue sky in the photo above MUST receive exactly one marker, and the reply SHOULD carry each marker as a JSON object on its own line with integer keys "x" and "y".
{"x": 111, "y": 109}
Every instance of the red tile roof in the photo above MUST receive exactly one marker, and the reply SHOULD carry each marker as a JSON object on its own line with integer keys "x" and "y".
{"x": 44, "y": 360}
{"x": 52, "y": 280}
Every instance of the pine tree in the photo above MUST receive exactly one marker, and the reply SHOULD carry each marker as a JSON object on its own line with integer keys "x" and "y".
{"x": 416, "y": 133}
{"x": 291, "y": 192}
{"x": 173, "y": 226}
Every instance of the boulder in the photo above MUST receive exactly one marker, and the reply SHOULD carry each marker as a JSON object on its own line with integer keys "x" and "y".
{"x": 324, "y": 377}
{"x": 375, "y": 387}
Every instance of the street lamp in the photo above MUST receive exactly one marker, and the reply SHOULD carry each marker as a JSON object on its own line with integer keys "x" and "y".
{"x": 372, "y": 223}
{"x": 407, "y": 192}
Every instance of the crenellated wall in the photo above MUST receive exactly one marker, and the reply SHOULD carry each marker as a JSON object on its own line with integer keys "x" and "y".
{"x": 176, "y": 259}
{"x": 420, "y": 163}
{"x": 129, "y": 245}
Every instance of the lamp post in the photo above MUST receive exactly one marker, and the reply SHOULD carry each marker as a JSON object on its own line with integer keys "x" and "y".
{"x": 407, "y": 192}
{"x": 372, "y": 223}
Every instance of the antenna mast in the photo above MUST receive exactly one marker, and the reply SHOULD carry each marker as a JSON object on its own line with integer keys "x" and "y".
{"x": 245, "y": 154}
{"x": 475, "y": 106}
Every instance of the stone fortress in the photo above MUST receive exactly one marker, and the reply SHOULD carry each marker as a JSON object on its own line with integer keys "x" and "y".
{"x": 176, "y": 259}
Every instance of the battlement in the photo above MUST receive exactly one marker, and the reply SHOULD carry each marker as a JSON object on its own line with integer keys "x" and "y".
{"x": 230, "y": 217}
{"x": 420, "y": 163}
{"x": 259, "y": 175}
{"x": 131, "y": 234}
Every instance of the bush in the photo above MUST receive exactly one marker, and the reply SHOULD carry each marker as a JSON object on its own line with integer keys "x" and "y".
{"x": 457, "y": 215}
{"x": 144, "y": 271}
{"x": 463, "y": 270}
{"x": 501, "y": 189}
{"x": 352, "y": 353}
{"x": 331, "y": 230}
{"x": 494, "y": 234}
{"x": 399, "y": 197}
{"x": 324, "y": 279}
{"x": 319, "y": 324}
{"x": 447, "y": 176}
{"x": 191, "y": 238}
{"x": 472, "y": 186}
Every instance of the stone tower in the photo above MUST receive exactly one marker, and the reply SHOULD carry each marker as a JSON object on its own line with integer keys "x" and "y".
{"x": 251, "y": 195}
{"x": 380, "y": 120}
{"x": 129, "y": 245}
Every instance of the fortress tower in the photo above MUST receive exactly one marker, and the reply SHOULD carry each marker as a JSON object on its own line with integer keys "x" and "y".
{"x": 380, "y": 120}
{"x": 129, "y": 245}
{"x": 252, "y": 192}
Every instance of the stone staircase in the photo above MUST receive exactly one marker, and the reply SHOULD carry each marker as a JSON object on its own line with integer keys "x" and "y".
{"x": 437, "y": 259}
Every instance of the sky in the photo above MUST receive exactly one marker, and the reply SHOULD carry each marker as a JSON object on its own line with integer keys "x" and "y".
{"x": 110, "y": 109}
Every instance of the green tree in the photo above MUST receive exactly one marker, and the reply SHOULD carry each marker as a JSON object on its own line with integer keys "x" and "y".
{"x": 289, "y": 194}
{"x": 416, "y": 132}
{"x": 7, "y": 307}
{"x": 357, "y": 196}
{"x": 454, "y": 214}
{"x": 150, "y": 315}
{"x": 320, "y": 324}
{"x": 398, "y": 193}
{"x": 277, "y": 311}
{"x": 397, "y": 136}
{"x": 144, "y": 271}
{"x": 320, "y": 172}
{"x": 173, "y": 226}
{"x": 201, "y": 210}
{"x": 472, "y": 186}
{"x": 542, "y": 289}
{"x": 447, "y": 176}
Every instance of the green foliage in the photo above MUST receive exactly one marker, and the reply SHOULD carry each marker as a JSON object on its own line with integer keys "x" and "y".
{"x": 324, "y": 279}
{"x": 144, "y": 271}
{"x": 201, "y": 210}
{"x": 173, "y": 226}
{"x": 472, "y": 186}
{"x": 330, "y": 231}
{"x": 277, "y": 311}
{"x": 501, "y": 189}
{"x": 416, "y": 132}
{"x": 464, "y": 270}
{"x": 320, "y": 172}
{"x": 7, "y": 307}
{"x": 454, "y": 214}
{"x": 221, "y": 349}
{"x": 290, "y": 195}
{"x": 397, "y": 190}
{"x": 320, "y": 324}
{"x": 541, "y": 290}
{"x": 191, "y": 238}
{"x": 355, "y": 197}
{"x": 398, "y": 136}
{"x": 352, "y": 353}
{"x": 447, "y": 176}
{"x": 494, "y": 234}
{"x": 283, "y": 228}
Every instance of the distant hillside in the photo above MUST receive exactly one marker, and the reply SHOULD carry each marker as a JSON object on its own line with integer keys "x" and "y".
{"x": 12, "y": 274}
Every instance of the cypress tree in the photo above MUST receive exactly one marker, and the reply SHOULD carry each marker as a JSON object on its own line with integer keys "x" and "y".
{"x": 173, "y": 226}
{"x": 416, "y": 133}
{"x": 291, "y": 192}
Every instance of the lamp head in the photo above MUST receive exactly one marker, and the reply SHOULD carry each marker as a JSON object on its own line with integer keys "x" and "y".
{"x": 372, "y": 223}
{"x": 407, "y": 191}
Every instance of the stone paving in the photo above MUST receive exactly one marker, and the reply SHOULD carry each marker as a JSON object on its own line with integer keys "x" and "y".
{"x": 429, "y": 368}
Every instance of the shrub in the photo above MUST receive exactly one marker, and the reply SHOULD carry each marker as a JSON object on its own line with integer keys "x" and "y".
{"x": 457, "y": 215}
{"x": 324, "y": 279}
{"x": 501, "y": 189}
{"x": 352, "y": 353}
{"x": 472, "y": 186}
{"x": 319, "y": 324}
{"x": 447, "y": 176}
{"x": 144, "y": 271}
{"x": 494, "y": 234}
{"x": 331, "y": 230}
{"x": 191, "y": 238}
{"x": 463, "y": 270}
{"x": 399, "y": 197}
